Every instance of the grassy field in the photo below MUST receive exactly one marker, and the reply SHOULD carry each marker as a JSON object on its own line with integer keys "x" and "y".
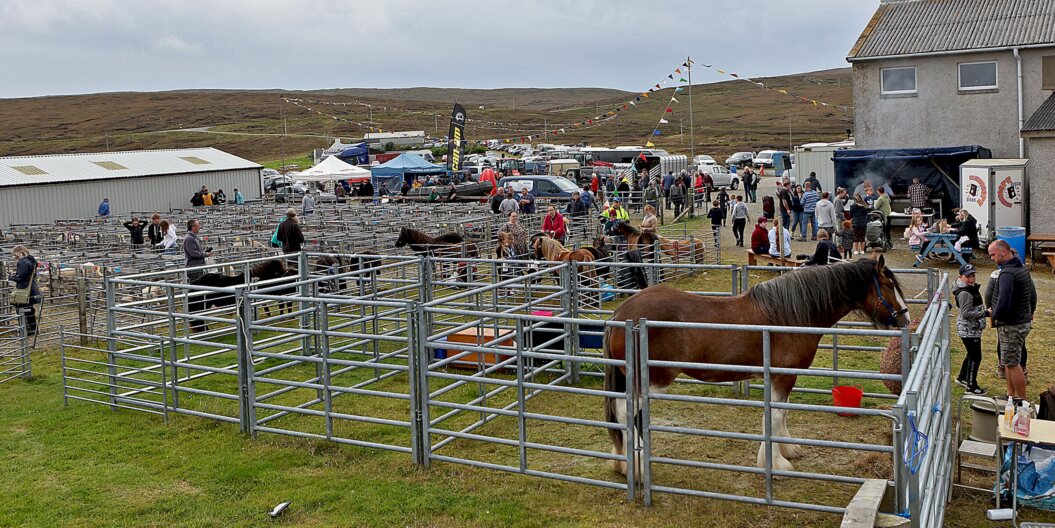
{"x": 729, "y": 116}
{"x": 83, "y": 465}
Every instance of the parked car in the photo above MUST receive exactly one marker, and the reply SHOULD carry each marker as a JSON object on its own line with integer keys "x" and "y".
{"x": 541, "y": 186}
{"x": 289, "y": 194}
{"x": 722, "y": 177}
{"x": 703, "y": 159}
{"x": 740, "y": 159}
{"x": 764, "y": 159}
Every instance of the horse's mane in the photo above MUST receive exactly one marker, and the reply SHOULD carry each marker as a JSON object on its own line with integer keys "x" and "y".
{"x": 550, "y": 247}
{"x": 633, "y": 230}
{"x": 269, "y": 269}
{"x": 448, "y": 238}
{"x": 794, "y": 298}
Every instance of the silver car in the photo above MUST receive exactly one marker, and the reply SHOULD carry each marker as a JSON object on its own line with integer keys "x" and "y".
{"x": 722, "y": 177}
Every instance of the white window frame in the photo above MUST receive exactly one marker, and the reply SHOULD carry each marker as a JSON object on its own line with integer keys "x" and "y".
{"x": 959, "y": 76}
{"x": 915, "y": 81}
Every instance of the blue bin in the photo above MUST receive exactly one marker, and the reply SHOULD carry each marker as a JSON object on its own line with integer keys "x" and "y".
{"x": 1015, "y": 237}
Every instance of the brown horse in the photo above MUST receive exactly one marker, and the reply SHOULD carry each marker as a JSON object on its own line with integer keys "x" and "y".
{"x": 690, "y": 250}
{"x": 545, "y": 248}
{"x": 809, "y": 297}
{"x": 447, "y": 245}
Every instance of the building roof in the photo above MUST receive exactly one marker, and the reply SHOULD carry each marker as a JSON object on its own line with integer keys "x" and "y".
{"x": 60, "y": 168}
{"x": 1043, "y": 120}
{"x": 394, "y": 135}
{"x": 919, "y": 27}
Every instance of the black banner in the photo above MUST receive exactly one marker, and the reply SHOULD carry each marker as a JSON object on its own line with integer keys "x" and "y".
{"x": 456, "y": 139}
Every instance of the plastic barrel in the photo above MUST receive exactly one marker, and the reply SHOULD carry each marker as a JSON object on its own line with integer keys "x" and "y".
{"x": 846, "y": 396}
{"x": 1015, "y": 237}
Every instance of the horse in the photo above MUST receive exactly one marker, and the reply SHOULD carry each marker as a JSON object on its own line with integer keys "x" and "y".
{"x": 340, "y": 265}
{"x": 446, "y": 245}
{"x": 678, "y": 249}
{"x": 267, "y": 270}
{"x": 545, "y": 248}
{"x": 635, "y": 238}
{"x": 809, "y": 297}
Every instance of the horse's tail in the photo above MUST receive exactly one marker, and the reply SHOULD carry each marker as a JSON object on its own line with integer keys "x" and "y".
{"x": 637, "y": 272}
{"x": 614, "y": 381}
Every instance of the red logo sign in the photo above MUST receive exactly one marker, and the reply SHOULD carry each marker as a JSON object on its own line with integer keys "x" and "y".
{"x": 976, "y": 190}
{"x": 1009, "y": 192}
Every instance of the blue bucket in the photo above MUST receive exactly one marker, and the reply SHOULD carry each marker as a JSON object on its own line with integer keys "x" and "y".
{"x": 1015, "y": 237}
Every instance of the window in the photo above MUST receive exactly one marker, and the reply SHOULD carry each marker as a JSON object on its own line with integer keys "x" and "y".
{"x": 898, "y": 80}
{"x": 29, "y": 170}
{"x": 195, "y": 160}
{"x": 978, "y": 75}
{"x": 1048, "y": 74}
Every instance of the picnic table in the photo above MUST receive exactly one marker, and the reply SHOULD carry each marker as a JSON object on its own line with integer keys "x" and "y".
{"x": 941, "y": 244}
{"x": 1042, "y": 242}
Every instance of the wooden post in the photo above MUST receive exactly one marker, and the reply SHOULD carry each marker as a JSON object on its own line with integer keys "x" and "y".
{"x": 82, "y": 308}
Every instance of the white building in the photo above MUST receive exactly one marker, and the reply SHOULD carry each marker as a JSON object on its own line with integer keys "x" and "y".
{"x": 42, "y": 189}
{"x": 414, "y": 138}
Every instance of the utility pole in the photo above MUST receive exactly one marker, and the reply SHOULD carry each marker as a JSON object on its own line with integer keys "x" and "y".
{"x": 436, "y": 122}
{"x": 285, "y": 130}
{"x": 791, "y": 148}
{"x": 681, "y": 125}
{"x": 692, "y": 129}
{"x": 545, "y": 123}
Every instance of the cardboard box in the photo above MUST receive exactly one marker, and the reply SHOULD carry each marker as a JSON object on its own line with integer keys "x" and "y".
{"x": 475, "y": 336}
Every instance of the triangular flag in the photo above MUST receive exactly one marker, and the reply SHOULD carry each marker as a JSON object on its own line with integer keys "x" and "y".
{"x": 678, "y": 89}
{"x": 682, "y": 80}
{"x": 649, "y": 144}
{"x": 684, "y": 65}
{"x": 669, "y": 110}
{"x": 814, "y": 101}
{"x": 721, "y": 71}
{"x": 642, "y": 156}
{"x": 657, "y": 86}
{"x": 663, "y": 121}
{"x": 734, "y": 75}
{"x": 624, "y": 106}
{"x": 645, "y": 95}
{"x": 678, "y": 71}
{"x": 785, "y": 92}
{"x": 673, "y": 99}
{"x": 670, "y": 75}
{"x": 633, "y": 103}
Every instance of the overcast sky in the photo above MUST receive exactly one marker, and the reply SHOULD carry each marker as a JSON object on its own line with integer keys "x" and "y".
{"x": 83, "y": 46}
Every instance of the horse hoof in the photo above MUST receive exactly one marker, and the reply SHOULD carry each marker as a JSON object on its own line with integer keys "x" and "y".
{"x": 618, "y": 466}
{"x": 792, "y": 451}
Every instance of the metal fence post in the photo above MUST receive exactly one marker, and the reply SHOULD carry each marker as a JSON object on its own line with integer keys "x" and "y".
{"x": 422, "y": 336}
{"x": 413, "y": 384}
{"x": 646, "y": 433}
{"x": 243, "y": 360}
{"x": 323, "y": 324}
{"x": 111, "y": 345}
{"x": 521, "y": 401}
{"x": 630, "y": 447}
{"x": 767, "y": 411}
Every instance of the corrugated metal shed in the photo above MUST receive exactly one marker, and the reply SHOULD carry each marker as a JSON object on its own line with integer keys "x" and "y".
{"x": 64, "y": 168}
{"x": 1043, "y": 120}
{"x": 911, "y": 27}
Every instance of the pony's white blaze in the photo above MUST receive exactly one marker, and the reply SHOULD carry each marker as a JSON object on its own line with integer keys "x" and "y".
{"x": 901, "y": 305}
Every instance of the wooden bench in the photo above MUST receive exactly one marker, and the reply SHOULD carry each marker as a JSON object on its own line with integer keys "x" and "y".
{"x": 1050, "y": 256}
{"x": 753, "y": 260}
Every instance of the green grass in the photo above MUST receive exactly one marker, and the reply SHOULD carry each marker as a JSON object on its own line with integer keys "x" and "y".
{"x": 305, "y": 161}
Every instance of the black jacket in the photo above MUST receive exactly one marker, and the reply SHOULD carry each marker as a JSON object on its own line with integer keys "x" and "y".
{"x": 290, "y": 235}
{"x": 576, "y": 208}
{"x": 969, "y": 229}
{"x": 826, "y": 250}
{"x": 154, "y": 234}
{"x": 858, "y": 216}
{"x": 1014, "y": 295}
{"x": 22, "y": 274}
{"x": 136, "y": 232}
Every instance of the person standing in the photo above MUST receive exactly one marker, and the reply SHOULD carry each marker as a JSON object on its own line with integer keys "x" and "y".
{"x": 25, "y": 279}
{"x": 578, "y": 212}
{"x": 553, "y": 225}
{"x": 760, "y": 237}
{"x": 846, "y": 239}
{"x": 1015, "y": 301}
{"x": 104, "y": 208}
{"x": 918, "y": 194}
{"x": 723, "y": 202}
{"x": 826, "y": 217}
{"x": 220, "y": 198}
{"x": 169, "y": 238}
{"x": 969, "y": 326}
{"x": 810, "y": 198}
{"x": 750, "y": 185}
{"x": 650, "y": 223}
{"x": 716, "y": 214}
{"x": 882, "y": 204}
{"x": 194, "y": 249}
{"x": 813, "y": 183}
{"x": 677, "y": 197}
{"x": 527, "y": 201}
{"x": 289, "y": 233}
{"x": 668, "y": 182}
{"x": 239, "y": 198}
{"x": 206, "y": 197}
{"x": 784, "y": 202}
{"x": 309, "y": 203}
{"x": 519, "y": 235}
{"x": 859, "y": 221}
{"x": 740, "y": 214}
{"x": 796, "y": 207}
{"x": 510, "y": 205}
{"x": 651, "y": 194}
{"x": 135, "y": 230}
{"x": 839, "y": 201}
{"x": 616, "y": 211}
{"x": 154, "y": 231}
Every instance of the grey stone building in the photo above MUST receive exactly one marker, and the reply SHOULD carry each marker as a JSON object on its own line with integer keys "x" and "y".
{"x": 938, "y": 73}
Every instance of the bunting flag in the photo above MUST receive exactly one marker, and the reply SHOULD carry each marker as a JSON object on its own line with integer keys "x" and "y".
{"x": 663, "y": 121}
{"x": 673, "y": 99}
{"x": 656, "y": 132}
{"x": 805, "y": 100}
{"x": 670, "y": 110}
{"x": 649, "y": 144}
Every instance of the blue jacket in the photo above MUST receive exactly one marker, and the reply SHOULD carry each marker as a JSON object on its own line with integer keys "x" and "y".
{"x": 104, "y": 209}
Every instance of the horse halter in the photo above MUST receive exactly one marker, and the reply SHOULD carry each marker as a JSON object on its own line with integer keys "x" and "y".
{"x": 881, "y": 301}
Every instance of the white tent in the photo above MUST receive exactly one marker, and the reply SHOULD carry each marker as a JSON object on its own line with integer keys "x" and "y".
{"x": 333, "y": 169}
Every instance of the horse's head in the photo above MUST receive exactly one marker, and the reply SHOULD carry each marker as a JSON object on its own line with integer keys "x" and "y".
{"x": 884, "y": 302}
{"x": 536, "y": 247}
{"x": 269, "y": 269}
{"x": 599, "y": 242}
{"x": 402, "y": 240}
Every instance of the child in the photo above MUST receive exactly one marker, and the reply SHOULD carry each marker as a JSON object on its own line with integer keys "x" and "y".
{"x": 846, "y": 238}
{"x": 969, "y": 327}
{"x": 717, "y": 215}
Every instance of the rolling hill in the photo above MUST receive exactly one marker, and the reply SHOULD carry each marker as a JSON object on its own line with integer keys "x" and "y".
{"x": 261, "y": 126}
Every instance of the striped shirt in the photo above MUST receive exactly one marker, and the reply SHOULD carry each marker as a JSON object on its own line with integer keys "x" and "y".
{"x": 917, "y": 194}
{"x": 809, "y": 201}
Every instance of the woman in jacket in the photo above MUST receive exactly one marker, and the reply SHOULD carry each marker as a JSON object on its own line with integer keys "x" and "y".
{"x": 168, "y": 243}
{"x": 969, "y": 326}
{"x": 649, "y": 223}
{"x": 553, "y": 225}
{"x": 25, "y": 276}
{"x": 859, "y": 221}
{"x": 520, "y": 237}
{"x": 760, "y": 237}
{"x": 796, "y": 208}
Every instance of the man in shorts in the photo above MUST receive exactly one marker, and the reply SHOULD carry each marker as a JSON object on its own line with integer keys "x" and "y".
{"x": 1015, "y": 300}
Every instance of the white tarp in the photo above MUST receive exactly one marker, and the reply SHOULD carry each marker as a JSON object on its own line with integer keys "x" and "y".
{"x": 333, "y": 169}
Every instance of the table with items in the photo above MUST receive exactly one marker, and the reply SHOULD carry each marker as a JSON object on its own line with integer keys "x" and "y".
{"x": 1041, "y": 433}
{"x": 941, "y": 244}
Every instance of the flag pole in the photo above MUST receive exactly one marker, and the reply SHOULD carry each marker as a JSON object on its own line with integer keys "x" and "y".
{"x": 692, "y": 129}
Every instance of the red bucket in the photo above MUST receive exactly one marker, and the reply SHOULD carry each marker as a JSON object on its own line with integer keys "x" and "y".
{"x": 847, "y": 396}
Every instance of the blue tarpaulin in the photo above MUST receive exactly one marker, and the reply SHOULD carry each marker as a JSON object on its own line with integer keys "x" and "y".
{"x": 357, "y": 154}
{"x": 392, "y": 172}
{"x": 937, "y": 168}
